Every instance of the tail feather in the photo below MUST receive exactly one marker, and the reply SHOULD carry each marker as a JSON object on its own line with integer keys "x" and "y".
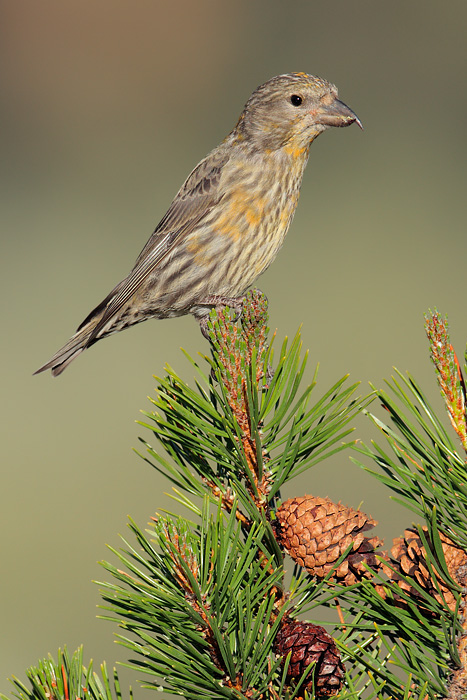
{"x": 74, "y": 347}
{"x": 88, "y": 333}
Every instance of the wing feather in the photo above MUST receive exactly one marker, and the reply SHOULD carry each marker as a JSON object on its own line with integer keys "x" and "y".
{"x": 194, "y": 201}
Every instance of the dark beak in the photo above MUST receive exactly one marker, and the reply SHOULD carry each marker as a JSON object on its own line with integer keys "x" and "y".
{"x": 337, "y": 114}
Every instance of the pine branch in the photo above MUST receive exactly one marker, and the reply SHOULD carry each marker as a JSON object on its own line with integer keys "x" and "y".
{"x": 217, "y": 587}
{"x": 202, "y": 601}
{"x": 244, "y": 430}
{"x": 68, "y": 679}
{"x": 426, "y": 576}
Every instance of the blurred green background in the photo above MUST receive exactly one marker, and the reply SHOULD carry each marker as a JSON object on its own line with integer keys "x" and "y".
{"x": 106, "y": 107}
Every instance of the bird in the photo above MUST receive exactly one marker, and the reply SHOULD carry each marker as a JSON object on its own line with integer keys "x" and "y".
{"x": 228, "y": 220}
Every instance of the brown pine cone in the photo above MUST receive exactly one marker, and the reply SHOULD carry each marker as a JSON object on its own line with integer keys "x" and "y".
{"x": 316, "y": 532}
{"x": 410, "y": 559}
{"x": 311, "y": 644}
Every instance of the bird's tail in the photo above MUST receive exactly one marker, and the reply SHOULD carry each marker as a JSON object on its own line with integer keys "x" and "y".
{"x": 74, "y": 347}
{"x": 88, "y": 333}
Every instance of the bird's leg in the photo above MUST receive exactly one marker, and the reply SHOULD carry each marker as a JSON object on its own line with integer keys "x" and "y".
{"x": 234, "y": 303}
{"x": 219, "y": 302}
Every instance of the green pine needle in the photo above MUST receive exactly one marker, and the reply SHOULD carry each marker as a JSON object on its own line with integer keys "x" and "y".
{"x": 67, "y": 679}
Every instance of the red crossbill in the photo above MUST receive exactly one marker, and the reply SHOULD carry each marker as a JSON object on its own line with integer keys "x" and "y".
{"x": 229, "y": 218}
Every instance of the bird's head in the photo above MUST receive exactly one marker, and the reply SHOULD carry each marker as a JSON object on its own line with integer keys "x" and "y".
{"x": 291, "y": 110}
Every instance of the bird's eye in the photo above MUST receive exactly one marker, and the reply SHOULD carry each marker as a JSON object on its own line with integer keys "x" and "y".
{"x": 296, "y": 100}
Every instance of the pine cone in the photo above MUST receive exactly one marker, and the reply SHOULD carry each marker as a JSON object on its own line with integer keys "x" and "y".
{"x": 311, "y": 644}
{"x": 410, "y": 559}
{"x": 316, "y": 532}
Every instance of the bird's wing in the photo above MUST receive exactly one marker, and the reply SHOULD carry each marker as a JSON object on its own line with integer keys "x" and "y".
{"x": 193, "y": 202}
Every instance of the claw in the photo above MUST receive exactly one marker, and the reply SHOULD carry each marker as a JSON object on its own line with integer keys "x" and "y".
{"x": 218, "y": 303}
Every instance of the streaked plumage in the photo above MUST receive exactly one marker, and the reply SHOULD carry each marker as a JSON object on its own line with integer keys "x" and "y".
{"x": 229, "y": 218}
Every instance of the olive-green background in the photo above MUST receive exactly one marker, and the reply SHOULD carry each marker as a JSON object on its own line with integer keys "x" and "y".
{"x": 105, "y": 108}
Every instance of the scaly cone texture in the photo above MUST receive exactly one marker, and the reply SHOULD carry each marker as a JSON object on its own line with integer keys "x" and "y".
{"x": 311, "y": 644}
{"x": 316, "y": 532}
{"x": 410, "y": 559}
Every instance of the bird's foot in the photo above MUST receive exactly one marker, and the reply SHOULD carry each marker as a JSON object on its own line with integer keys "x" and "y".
{"x": 218, "y": 303}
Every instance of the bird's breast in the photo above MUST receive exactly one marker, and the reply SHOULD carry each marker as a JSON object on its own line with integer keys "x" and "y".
{"x": 248, "y": 225}
{"x": 260, "y": 199}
